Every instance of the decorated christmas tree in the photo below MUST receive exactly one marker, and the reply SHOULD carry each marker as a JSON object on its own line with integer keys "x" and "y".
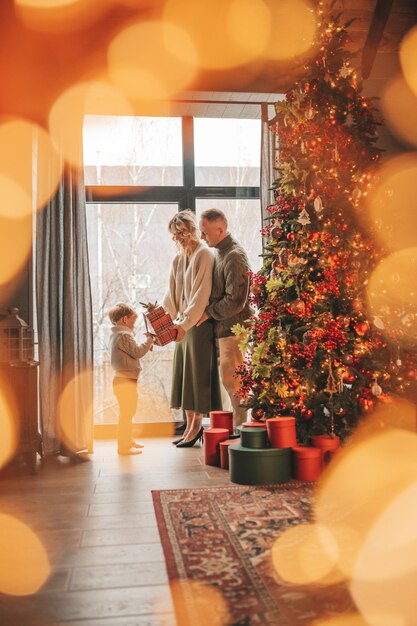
{"x": 314, "y": 348}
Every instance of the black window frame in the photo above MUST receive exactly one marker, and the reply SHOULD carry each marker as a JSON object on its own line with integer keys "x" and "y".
{"x": 185, "y": 196}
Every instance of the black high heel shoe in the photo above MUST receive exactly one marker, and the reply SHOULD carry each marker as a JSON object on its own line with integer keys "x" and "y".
{"x": 174, "y": 443}
{"x": 189, "y": 444}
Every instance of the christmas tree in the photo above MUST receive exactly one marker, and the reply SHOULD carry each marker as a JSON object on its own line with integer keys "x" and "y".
{"x": 314, "y": 350}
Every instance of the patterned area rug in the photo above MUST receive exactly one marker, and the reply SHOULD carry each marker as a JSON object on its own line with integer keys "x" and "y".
{"x": 222, "y": 537}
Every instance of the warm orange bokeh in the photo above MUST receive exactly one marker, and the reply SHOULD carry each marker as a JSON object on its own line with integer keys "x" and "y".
{"x": 399, "y": 107}
{"x": 226, "y": 33}
{"x": 197, "y": 603}
{"x": 66, "y": 117}
{"x": 59, "y": 15}
{"x": 25, "y": 146}
{"x": 350, "y": 619}
{"x": 75, "y": 412}
{"x": 15, "y": 245}
{"x": 361, "y": 483}
{"x": 293, "y": 29}
{"x": 305, "y": 554}
{"x": 9, "y": 425}
{"x": 24, "y": 561}
{"x": 391, "y": 202}
{"x": 152, "y": 60}
{"x": 408, "y": 58}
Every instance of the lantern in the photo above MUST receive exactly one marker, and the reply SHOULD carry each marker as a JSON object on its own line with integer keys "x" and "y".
{"x": 16, "y": 339}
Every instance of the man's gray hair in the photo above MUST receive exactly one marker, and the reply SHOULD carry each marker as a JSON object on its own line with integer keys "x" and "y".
{"x": 214, "y": 215}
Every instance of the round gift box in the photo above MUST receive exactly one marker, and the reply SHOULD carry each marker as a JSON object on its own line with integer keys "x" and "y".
{"x": 212, "y": 439}
{"x": 253, "y": 438}
{"x": 222, "y": 419}
{"x": 249, "y": 466}
{"x": 327, "y": 444}
{"x": 224, "y": 452}
{"x": 254, "y": 425}
{"x": 281, "y": 432}
{"x": 307, "y": 463}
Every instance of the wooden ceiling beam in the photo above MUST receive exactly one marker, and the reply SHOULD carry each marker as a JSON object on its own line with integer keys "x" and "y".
{"x": 376, "y": 29}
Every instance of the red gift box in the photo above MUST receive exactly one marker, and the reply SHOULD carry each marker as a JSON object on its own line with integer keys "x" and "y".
{"x": 162, "y": 326}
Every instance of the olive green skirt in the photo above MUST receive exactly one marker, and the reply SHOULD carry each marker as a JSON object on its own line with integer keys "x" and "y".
{"x": 195, "y": 379}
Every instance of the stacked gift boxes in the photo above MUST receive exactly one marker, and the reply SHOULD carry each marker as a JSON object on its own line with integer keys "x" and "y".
{"x": 267, "y": 452}
{"x": 160, "y": 324}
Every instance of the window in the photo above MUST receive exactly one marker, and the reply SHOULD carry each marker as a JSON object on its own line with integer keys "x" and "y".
{"x": 139, "y": 171}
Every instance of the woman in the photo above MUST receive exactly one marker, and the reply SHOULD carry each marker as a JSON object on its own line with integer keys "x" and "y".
{"x": 195, "y": 381}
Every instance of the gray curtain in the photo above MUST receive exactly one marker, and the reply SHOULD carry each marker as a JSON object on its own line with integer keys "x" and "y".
{"x": 64, "y": 313}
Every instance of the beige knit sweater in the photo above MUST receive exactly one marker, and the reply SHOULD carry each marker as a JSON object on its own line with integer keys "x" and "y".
{"x": 189, "y": 286}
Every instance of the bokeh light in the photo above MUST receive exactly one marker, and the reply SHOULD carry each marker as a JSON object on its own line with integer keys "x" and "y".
{"x": 22, "y": 142}
{"x": 24, "y": 561}
{"x": 408, "y": 58}
{"x": 59, "y": 15}
{"x": 392, "y": 292}
{"x": 8, "y": 425}
{"x": 399, "y": 108}
{"x": 15, "y": 244}
{"x": 75, "y": 412}
{"x": 152, "y": 60}
{"x": 66, "y": 116}
{"x": 203, "y": 602}
{"x": 293, "y": 29}
{"x": 392, "y": 202}
{"x": 226, "y": 33}
{"x": 360, "y": 484}
{"x": 305, "y": 554}
{"x": 385, "y": 576}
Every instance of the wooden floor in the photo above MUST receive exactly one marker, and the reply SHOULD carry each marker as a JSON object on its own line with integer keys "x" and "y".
{"x": 97, "y": 523}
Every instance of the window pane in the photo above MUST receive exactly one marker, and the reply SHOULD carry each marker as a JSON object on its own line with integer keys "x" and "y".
{"x": 138, "y": 151}
{"x": 244, "y": 221}
{"x": 130, "y": 253}
{"x": 227, "y": 152}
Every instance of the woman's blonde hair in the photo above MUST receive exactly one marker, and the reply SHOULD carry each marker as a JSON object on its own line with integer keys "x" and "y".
{"x": 185, "y": 220}
{"x": 120, "y": 310}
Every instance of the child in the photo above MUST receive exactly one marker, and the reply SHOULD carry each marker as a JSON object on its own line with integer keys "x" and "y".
{"x": 125, "y": 354}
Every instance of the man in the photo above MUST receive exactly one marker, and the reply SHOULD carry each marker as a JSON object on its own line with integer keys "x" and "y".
{"x": 228, "y": 301}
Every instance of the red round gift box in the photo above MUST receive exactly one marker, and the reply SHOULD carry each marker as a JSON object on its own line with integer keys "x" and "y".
{"x": 281, "y": 432}
{"x": 222, "y": 419}
{"x": 212, "y": 439}
{"x": 224, "y": 452}
{"x": 307, "y": 463}
{"x": 328, "y": 445}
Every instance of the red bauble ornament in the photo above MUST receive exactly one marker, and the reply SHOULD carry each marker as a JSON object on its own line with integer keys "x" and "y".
{"x": 258, "y": 414}
{"x": 276, "y": 232}
{"x": 348, "y": 378}
{"x": 362, "y": 328}
{"x": 306, "y": 414}
{"x": 291, "y": 236}
{"x": 314, "y": 236}
{"x": 292, "y": 384}
{"x": 357, "y": 305}
{"x": 347, "y": 359}
{"x": 410, "y": 374}
{"x": 255, "y": 289}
